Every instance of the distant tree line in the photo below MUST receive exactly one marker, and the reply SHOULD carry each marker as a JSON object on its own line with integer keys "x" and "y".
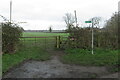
{"x": 50, "y": 29}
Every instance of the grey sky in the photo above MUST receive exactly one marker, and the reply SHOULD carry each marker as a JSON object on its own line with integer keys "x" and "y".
{"x": 40, "y": 14}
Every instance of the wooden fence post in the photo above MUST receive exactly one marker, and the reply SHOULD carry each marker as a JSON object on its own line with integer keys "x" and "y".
{"x": 58, "y": 41}
{"x": 45, "y": 43}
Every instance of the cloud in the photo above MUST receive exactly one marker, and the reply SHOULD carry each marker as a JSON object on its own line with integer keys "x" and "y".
{"x": 44, "y": 13}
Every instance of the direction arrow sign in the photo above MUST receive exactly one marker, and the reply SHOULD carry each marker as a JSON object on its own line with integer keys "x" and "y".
{"x": 88, "y": 21}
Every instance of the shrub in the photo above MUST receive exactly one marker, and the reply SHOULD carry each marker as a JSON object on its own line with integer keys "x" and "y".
{"x": 10, "y": 37}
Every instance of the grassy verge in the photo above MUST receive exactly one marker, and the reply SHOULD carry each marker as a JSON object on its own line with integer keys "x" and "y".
{"x": 84, "y": 57}
{"x": 33, "y": 52}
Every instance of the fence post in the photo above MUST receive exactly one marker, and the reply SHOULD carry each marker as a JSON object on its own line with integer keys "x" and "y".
{"x": 45, "y": 43}
{"x": 58, "y": 41}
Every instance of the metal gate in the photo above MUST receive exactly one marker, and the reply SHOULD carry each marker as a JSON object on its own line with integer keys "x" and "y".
{"x": 46, "y": 42}
{"x": 41, "y": 42}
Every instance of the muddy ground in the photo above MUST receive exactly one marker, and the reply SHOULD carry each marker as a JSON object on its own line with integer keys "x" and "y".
{"x": 54, "y": 68}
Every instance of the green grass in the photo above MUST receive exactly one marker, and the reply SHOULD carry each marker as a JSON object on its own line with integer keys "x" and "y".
{"x": 26, "y": 34}
{"x": 84, "y": 57}
{"x": 10, "y": 60}
{"x": 41, "y": 34}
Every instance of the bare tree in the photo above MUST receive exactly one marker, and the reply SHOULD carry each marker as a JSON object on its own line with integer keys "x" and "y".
{"x": 69, "y": 20}
{"x": 112, "y": 23}
{"x": 96, "y": 21}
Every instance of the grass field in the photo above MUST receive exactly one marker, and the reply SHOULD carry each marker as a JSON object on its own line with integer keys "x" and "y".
{"x": 41, "y": 34}
{"x": 27, "y": 34}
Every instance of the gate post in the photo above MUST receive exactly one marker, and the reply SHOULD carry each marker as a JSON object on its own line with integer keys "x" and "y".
{"x": 45, "y": 43}
{"x": 57, "y": 41}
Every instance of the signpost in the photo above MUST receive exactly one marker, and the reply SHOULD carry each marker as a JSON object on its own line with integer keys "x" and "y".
{"x": 119, "y": 18}
{"x": 10, "y": 11}
{"x": 88, "y": 21}
{"x": 75, "y": 18}
{"x": 119, "y": 6}
{"x": 92, "y": 33}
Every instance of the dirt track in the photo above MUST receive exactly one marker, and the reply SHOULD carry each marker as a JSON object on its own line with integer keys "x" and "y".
{"x": 55, "y": 69}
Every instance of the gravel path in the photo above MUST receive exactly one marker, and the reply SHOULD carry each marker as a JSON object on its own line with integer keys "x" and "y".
{"x": 55, "y": 69}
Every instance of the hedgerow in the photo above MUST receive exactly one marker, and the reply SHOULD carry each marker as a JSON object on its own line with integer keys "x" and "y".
{"x": 10, "y": 37}
{"x": 106, "y": 37}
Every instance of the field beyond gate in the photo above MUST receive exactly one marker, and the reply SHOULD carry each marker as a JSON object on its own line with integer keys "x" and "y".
{"x": 42, "y": 40}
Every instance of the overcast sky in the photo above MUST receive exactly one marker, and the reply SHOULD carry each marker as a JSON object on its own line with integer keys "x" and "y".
{"x": 41, "y": 14}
